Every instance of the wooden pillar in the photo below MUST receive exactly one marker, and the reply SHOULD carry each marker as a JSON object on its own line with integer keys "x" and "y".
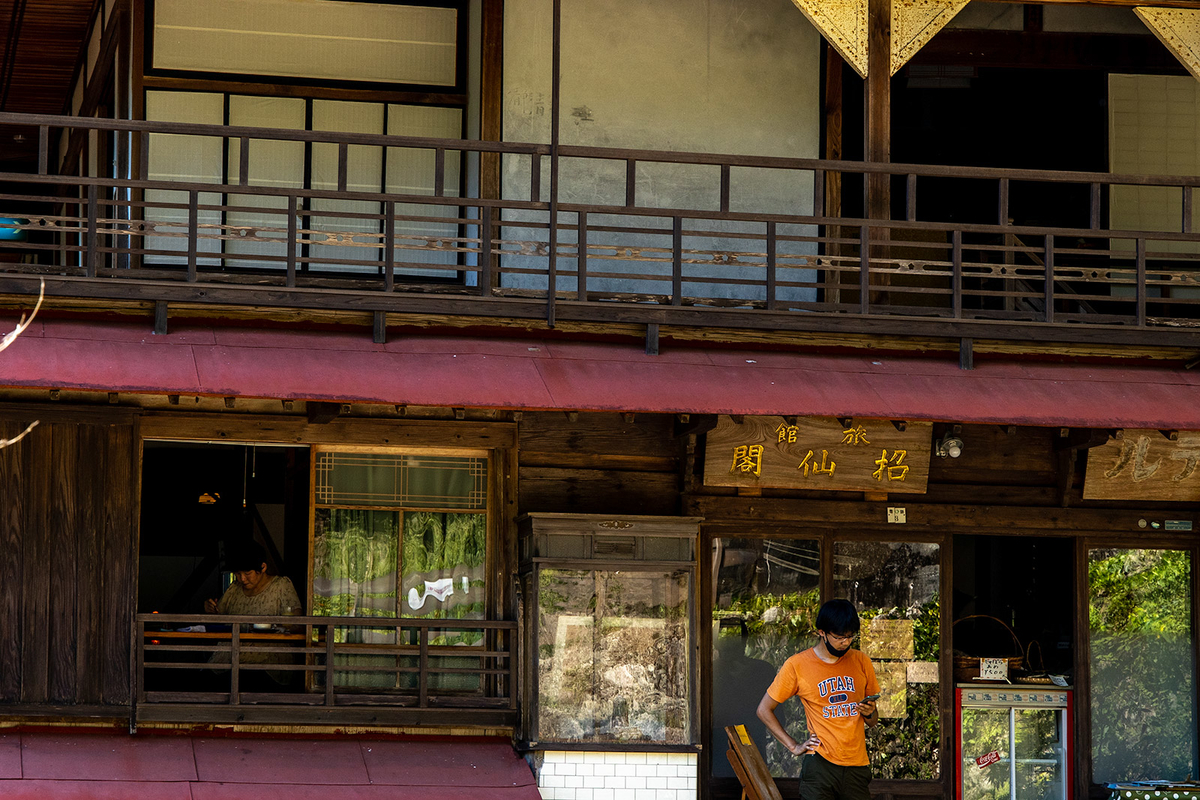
{"x": 833, "y": 131}
{"x": 491, "y": 118}
{"x": 878, "y": 144}
{"x": 878, "y": 98}
{"x": 834, "y": 67}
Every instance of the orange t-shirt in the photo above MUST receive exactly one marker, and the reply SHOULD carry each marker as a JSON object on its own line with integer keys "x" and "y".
{"x": 830, "y": 694}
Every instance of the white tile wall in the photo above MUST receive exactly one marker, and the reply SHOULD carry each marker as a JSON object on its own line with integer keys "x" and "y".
{"x": 572, "y": 775}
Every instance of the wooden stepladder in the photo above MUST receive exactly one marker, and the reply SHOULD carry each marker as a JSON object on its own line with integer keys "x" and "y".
{"x": 747, "y": 761}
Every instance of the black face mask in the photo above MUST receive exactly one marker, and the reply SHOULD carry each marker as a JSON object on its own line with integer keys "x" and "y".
{"x": 834, "y": 651}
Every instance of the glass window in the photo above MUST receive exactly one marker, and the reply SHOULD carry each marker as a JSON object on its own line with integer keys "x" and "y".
{"x": 344, "y": 41}
{"x": 376, "y": 553}
{"x": 612, "y": 650}
{"x": 767, "y": 592}
{"x": 895, "y": 587}
{"x": 1142, "y": 665}
{"x": 393, "y": 480}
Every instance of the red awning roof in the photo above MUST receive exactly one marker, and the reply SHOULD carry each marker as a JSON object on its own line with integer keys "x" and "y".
{"x": 48, "y": 766}
{"x": 536, "y": 374}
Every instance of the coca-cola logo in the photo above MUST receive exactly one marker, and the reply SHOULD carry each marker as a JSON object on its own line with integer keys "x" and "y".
{"x": 990, "y": 758}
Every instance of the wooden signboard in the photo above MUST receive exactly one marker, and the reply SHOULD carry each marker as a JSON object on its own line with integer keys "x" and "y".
{"x": 1144, "y": 465}
{"x": 818, "y": 453}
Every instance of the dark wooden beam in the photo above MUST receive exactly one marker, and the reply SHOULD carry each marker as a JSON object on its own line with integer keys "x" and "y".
{"x": 1031, "y": 50}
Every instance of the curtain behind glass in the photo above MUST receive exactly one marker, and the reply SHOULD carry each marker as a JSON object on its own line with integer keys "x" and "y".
{"x": 1142, "y": 665}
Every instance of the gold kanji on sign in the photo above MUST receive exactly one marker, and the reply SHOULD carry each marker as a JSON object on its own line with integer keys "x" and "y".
{"x": 747, "y": 458}
{"x": 826, "y": 466}
{"x": 855, "y": 436}
{"x": 787, "y": 433}
{"x": 893, "y": 466}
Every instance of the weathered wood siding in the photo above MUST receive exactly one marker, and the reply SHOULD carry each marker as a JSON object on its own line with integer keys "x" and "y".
{"x": 598, "y": 463}
{"x": 67, "y": 533}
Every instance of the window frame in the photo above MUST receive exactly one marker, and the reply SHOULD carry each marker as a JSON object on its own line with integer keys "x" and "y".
{"x": 459, "y": 87}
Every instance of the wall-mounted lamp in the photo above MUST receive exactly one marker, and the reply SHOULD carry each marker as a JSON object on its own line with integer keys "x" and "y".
{"x": 949, "y": 446}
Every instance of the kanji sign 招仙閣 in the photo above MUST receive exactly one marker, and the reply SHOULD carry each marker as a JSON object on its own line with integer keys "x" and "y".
{"x": 818, "y": 453}
{"x": 1144, "y": 465}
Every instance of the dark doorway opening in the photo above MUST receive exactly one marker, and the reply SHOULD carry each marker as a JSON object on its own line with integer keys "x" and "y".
{"x": 1036, "y": 119}
{"x": 198, "y": 500}
{"x": 1027, "y": 583}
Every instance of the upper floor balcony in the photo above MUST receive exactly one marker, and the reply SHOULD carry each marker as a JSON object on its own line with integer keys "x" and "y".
{"x": 201, "y": 214}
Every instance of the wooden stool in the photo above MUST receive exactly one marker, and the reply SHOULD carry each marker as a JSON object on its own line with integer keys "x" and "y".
{"x": 747, "y": 761}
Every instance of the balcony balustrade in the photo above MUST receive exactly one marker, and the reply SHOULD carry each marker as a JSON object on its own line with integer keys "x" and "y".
{"x": 335, "y": 670}
{"x": 587, "y": 234}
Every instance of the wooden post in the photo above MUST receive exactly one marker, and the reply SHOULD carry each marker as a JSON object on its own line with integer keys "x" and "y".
{"x": 878, "y": 119}
{"x": 833, "y": 180}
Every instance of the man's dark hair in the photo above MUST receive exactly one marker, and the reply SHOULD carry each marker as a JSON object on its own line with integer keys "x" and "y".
{"x": 246, "y": 557}
{"x": 837, "y": 617}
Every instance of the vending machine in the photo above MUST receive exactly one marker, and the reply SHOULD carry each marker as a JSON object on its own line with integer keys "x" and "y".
{"x": 1014, "y": 742}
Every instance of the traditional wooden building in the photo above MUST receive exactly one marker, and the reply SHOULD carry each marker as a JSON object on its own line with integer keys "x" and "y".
{"x": 565, "y": 356}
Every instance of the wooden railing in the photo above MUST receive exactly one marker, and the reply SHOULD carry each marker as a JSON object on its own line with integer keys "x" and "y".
{"x": 721, "y": 251}
{"x": 324, "y": 669}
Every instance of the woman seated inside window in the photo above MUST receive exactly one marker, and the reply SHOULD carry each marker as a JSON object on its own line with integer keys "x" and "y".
{"x": 256, "y": 592}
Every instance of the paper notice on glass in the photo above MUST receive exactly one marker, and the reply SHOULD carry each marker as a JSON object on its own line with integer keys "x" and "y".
{"x": 888, "y": 639}
{"x": 922, "y": 672}
{"x": 993, "y": 669}
{"x": 893, "y": 686}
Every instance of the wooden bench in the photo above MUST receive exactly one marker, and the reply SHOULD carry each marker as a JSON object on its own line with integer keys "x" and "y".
{"x": 748, "y": 764}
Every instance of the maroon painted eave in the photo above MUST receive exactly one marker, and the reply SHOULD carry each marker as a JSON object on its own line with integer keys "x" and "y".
{"x": 536, "y": 374}
{"x": 55, "y": 766}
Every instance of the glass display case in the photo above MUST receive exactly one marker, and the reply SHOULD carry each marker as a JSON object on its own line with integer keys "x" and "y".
{"x": 608, "y": 608}
{"x": 1014, "y": 742}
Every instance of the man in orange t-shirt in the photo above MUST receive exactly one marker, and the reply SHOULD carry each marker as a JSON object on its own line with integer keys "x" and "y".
{"x": 838, "y": 689}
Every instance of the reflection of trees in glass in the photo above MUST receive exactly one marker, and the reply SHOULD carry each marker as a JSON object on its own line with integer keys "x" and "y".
{"x": 613, "y": 656}
{"x": 985, "y": 730}
{"x": 1142, "y": 663}
{"x": 899, "y": 580}
{"x": 908, "y": 747}
{"x": 770, "y": 585}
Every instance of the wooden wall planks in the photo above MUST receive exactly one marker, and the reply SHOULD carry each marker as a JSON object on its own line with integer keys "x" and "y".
{"x": 599, "y": 463}
{"x": 13, "y": 461}
{"x": 66, "y": 544}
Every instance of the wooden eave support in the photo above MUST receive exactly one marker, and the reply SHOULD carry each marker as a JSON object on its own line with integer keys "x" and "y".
{"x": 1179, "y": 31}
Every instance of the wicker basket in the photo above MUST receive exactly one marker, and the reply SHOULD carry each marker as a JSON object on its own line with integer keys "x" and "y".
{"x": 966, "y": 668}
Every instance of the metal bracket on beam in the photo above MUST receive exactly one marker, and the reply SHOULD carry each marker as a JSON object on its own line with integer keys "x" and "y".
{"x": 900, "y": 425}
{"x": 460, "y": 413}
{"x": 966, "y": 354}
{"x": 230, "y": 402}
{"x": 379, "y": 323}
{"x": 652, "y": 339}
{"x": 160, "y": 317}
{"x": 1171, "y": 435}
{"x": 846, "y": 422}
